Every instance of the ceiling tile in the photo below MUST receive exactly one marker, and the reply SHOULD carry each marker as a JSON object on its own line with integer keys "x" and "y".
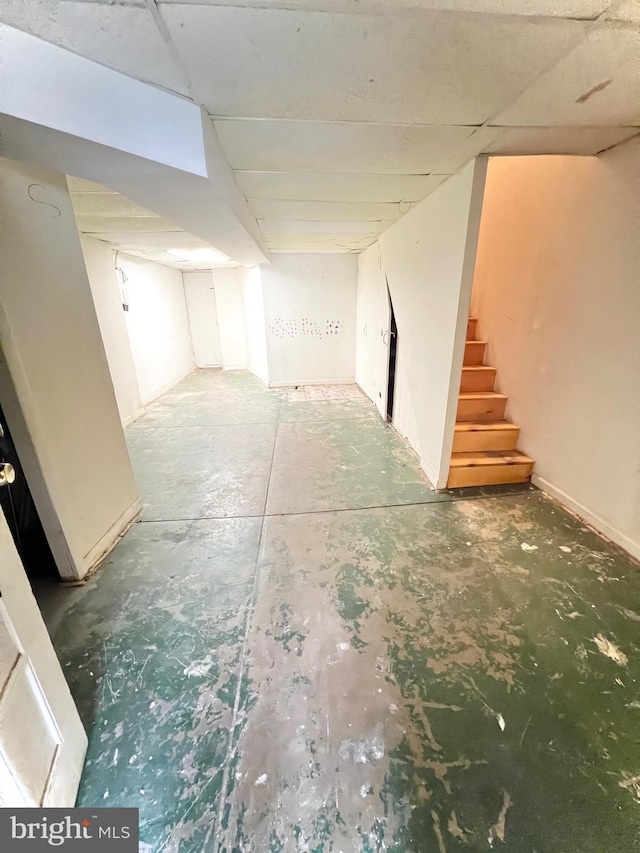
{"x": 159, "y": 239}
{"x": 104, "y": 224}
{"x": 550, "y": 8}
{"x": 338, "y": 211}
{"x": 122, "y": 35}
{"x": 315, "y": 250}
{"x": 79, "y": 185}
{"x": 436, "y": 68}
{"x": 106, "y": 204}
{"x": 344, "y": 187}
{"x": 292, "y": 226}
{"x": 559, "y": 140}
{"x": 628, "y": 10}
{"x": 356, "y": 242}
{"x": 598, "y": 83}
{"x": 347, "y": 147}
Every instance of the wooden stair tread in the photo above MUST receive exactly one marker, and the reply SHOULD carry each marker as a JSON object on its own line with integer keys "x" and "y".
{"x": 478, "y": 426}
{"x": 489, "y": 457}
{"x": 481, "y": 395}
{"x": 479, "y": 367}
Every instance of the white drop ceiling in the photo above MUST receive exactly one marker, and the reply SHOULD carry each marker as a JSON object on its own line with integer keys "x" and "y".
{"x": 106, "y": 215}
{"x": 338, "y": 115}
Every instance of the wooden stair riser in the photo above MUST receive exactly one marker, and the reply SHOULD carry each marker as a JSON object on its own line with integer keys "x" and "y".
{"x": 494, "y": 439}
{"x": 474, "y": 352}
{"x": 481, "y": 408}
{"x": 477, "y": 379}
{"x": 472, "y": 329}
{"x": 489, "y": 475}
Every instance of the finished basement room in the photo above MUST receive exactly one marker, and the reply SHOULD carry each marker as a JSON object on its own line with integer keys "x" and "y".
{"x": 320, "y": 425}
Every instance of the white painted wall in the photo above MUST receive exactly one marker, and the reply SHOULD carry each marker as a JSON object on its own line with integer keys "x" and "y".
{"x": 55, "y": 386}
{"x": 203, "y": 318}
{"x": 310, "y": 307}
{"x": 158, "y": 325}
{"x": 255, "y": 322}
{"x": 427, "y": 258}
{"x": 99, "y": 259}
{"x": 557, "y": 293}
{"x": 228, "y": 289}
{"x": 373, "y": 319}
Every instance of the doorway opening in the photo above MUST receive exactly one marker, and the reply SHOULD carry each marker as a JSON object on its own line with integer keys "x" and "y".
{"x": 22, "y": 516}
{"x": 393, "y": 346}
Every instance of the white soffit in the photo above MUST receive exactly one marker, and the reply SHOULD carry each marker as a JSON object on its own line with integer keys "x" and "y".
{"x": 333, "y": 211}
{"x": 347, "y": 147}
{"x": 431, "y": 68}
{"x": 597, "y": 83}
{"x": 122, "y": 35}
{"x": 327, "y": 187}
{"x": 559, "y": 140}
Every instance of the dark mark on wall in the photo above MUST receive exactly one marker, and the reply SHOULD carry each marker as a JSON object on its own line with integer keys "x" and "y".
{"x": 593, "y": 91}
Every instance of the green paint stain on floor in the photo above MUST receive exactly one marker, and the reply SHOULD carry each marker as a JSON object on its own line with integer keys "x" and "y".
{"x": 353, "y": 663}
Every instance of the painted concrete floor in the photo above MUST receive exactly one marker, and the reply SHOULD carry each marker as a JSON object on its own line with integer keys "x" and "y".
{"x": 301, "y": 647}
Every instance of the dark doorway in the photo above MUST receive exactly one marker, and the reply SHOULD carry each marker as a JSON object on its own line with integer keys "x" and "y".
{"x": 22, "y": 516}
{"x": 393, "y": 346}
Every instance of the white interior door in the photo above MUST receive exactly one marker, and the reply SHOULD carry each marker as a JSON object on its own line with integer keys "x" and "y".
{"x": 374, "y": 319}
{"x": 42, "y": 741}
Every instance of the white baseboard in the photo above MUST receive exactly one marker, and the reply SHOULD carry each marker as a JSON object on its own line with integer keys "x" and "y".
{"x": 591, "y": 518}
{"x": 130, "y": 419}
{"x": 299, "y": 382}
{"x": 234, "y": 367}
{"x": 110, "y": 539}
{"x": 259, "y": 378}
{"x": 160, "y": 391}
{"x": 431, "y": 475}
{"x": 133, "y": 418}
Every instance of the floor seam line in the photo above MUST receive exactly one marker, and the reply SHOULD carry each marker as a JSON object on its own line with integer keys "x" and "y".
{"x": 242, "y": 663}
{"x": 447, "y": 500}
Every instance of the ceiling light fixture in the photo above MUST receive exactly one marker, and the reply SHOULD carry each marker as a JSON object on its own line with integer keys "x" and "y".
{"x": 195, "y": 256}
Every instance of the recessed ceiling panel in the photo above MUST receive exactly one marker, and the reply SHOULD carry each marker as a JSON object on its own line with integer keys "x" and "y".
{"x": 598, "y": 83}
{"x": 121, "y": 35}
{"x": 559, "y": 140}
{"x": 433, "y": 68}
{"x": 328, "y": 187}
{"x": 337, "y": 211}
{"x": 351, "y": 147}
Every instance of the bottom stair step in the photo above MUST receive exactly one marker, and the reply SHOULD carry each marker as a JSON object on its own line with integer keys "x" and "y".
{"x": 489, "y": 468}
{"x": 488, "y": 435}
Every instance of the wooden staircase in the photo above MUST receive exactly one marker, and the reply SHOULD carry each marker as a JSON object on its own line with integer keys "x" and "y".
{"x": 484, "y": 444}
